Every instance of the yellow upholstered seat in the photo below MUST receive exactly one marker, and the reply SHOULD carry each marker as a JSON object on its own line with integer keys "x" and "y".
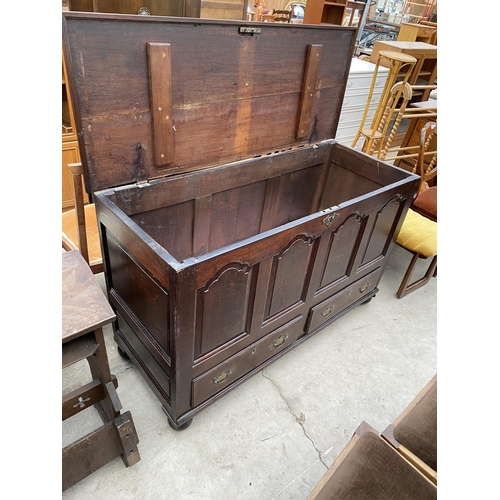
{"x": 418, "y": 235}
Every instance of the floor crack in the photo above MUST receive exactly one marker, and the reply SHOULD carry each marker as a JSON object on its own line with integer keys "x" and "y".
{"x": 299, "y": 419}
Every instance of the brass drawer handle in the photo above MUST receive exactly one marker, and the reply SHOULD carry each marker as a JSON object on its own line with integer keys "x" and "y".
{"x": 222, "y": 377}
{"x": 327, "y": 312}
{"x": 327, "y": 221}
{"x": 280, "y": 340}
{"x": 364, "y": 288}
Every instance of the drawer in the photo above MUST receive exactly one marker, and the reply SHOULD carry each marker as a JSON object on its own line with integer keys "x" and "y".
{"x": 365, "y": 82}
{"x": 224, "y": 374}
{"x": 329, "y": 308}
{"x": 354, "y": 117}
{"x": 359, "y": 99}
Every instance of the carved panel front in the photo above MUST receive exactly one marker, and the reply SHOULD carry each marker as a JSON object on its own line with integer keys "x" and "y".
{"x": 342, "y": 248}
{"x": 382, "y": 231}
{"x": 289, "y": 275}
{"x": 223, "y": 308}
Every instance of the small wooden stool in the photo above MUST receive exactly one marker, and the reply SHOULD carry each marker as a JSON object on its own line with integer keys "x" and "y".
{"x": 418, "y": 235}
{"x": 85, "y": 311}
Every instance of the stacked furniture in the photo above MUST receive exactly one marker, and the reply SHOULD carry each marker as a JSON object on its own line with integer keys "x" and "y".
{"x": 355, "y": 99}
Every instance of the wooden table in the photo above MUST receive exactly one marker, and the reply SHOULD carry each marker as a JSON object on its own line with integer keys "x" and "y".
{"x": 85, "y": 311}
{"x": 425, "y": 70}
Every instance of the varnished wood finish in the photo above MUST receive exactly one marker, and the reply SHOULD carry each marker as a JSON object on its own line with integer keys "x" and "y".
{"x": 70, "y": 152}
{"x": 309, "y": 85}
{"x": 80, "y": 229}
{"x": 235, "y": 286}
{"x": 218, "y": 270}
{"x": 84, "y": 307}
{"x": 229, "y": 101}
{"x": 321, "y": 11}
{"x": 424, "y": 72}
{"x": 160, "y": 72}
{"x": 85, "y": 311}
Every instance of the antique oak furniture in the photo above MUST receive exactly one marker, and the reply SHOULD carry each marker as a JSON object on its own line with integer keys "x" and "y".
{"x": 85, "y": 311}
{"x": 233, "y": 226}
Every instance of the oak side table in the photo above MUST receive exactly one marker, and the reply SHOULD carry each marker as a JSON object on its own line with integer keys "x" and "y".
{"x": 85, "y": 310}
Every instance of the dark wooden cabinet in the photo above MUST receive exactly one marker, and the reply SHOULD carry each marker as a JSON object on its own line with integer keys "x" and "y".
{"x": 233, "y": 227}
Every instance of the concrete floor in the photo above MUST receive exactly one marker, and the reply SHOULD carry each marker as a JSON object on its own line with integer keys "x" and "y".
{"x": 273, "y": 437}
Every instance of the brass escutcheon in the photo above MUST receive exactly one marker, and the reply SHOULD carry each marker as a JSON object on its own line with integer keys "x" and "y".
{"x": 280, "y": 340}
{"x": 222, "y": 377}
{"x": 327, "y": 312}
{"x": 327, "y": 221}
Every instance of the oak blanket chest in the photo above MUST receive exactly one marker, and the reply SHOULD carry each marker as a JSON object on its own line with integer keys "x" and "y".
{"x": 233, "y": 226}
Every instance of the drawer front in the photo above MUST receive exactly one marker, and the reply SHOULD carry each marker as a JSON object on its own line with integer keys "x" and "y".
{"x": 365, "y": 82}
{"x": 354, "y": 117}
{"x": 359, "y": 99}
{"x": 331, "y": 307}
{"x": 224, "y": 374}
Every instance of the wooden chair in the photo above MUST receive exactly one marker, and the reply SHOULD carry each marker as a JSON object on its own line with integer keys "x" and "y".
{"x": 80, "y": 230}
{"x": 395, "y": 108}
{"x": 425, "y": 202}
{"x": 378, "y": 140}
{"x": 418, "y": 235}
{"x": 370, "y": 468}
{"x": 414, "y": 432}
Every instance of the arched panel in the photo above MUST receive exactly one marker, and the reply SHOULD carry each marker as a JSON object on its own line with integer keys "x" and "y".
{"x": 342, "y": 249}
{"x": 223, "y": 308}
{"x": 383, "y": 229}
{"x": 289, "y": 275}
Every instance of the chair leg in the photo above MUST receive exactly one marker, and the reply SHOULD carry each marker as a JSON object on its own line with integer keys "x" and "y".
{"x": 406, "y": 287}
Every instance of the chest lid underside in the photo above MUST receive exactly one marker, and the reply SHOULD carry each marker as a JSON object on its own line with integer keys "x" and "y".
{"x": 157, "y": 96}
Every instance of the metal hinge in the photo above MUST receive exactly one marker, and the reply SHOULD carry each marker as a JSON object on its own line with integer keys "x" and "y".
{"x": 247, "y": 30}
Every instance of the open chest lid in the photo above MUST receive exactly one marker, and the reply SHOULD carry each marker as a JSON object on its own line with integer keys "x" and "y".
{"x": 157, "y": 96}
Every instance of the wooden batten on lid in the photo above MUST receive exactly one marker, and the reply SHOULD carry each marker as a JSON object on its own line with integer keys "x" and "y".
{"x": 160, "y": 96}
